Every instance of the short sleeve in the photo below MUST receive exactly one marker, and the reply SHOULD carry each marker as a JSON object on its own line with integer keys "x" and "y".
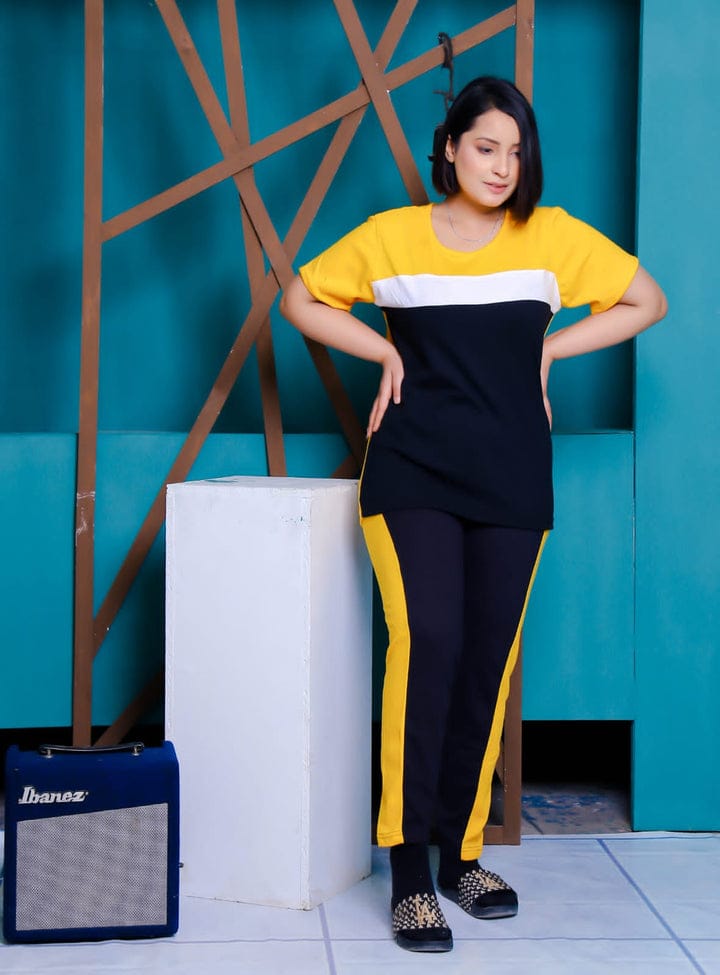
{"x": 342, "y": 275}
{"x": 590, "y": 268}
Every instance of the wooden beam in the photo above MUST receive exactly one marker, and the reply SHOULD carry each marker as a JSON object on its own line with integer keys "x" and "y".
{"x": 524, "y": 45}
{"x": 89, "y": 378}
{"x": 373, "y": 76}
{"x": 151, "y": 693}
{"x": 462, "y": 42}
{"x": 269, "y": 393}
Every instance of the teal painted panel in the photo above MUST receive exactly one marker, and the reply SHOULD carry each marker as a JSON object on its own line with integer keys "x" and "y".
{"x": 131, "y": 467}
{"x": 576, "y": 661}
{"x": 578, "y": 638}
{"x": 677, "y": 728}
{"x": 37, "y": 489}
{"x": 585, "y": 91}
{"x": 41, "y": 78}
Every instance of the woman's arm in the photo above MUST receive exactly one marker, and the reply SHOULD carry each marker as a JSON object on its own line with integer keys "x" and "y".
{"x": 641, "y": 306}
{"x": 341, "y": 330}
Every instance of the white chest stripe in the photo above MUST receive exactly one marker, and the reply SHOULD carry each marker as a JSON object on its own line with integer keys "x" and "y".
{"x": 420, "y": 290}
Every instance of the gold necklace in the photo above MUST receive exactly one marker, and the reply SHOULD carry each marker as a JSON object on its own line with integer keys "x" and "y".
{"x": 476, "y": 240}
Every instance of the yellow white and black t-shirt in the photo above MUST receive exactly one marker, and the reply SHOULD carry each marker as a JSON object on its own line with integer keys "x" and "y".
{"x": 470, "y": 436}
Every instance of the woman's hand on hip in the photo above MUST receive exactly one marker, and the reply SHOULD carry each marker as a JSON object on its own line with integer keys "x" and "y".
{"x": 390, "y": 385}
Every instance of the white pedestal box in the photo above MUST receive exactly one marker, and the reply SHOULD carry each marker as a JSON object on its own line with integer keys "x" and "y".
{"x": 268, "y": 699}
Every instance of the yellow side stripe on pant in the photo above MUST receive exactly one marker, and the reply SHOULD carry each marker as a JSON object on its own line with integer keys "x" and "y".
{"x": 472, "y": 844}
{"x": 387, "y": 571}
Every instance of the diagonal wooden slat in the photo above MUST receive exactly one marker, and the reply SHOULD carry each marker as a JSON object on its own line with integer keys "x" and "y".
{"x": 338, "y": 396}
{"x": 373, "y": 77}
{"x": 235, "y": 83}
{"x": 124, "y": 723}
{"x": 394, "y": 30}
{"x": 348, "y": 468}
{"x": 462, "y": 42}
{"x": 524, "y": 35}
{"x": 224, "y": 135}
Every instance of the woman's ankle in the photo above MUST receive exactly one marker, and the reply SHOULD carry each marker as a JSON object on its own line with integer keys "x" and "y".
{"x": 410, "y": 866}
{"x": 452, "y": 866}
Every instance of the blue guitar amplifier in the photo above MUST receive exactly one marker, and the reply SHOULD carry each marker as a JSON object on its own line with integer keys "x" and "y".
{"x": 91, "y": 843}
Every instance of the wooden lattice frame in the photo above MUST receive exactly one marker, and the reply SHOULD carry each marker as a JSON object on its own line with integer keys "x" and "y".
{"x": 240, "y": 154}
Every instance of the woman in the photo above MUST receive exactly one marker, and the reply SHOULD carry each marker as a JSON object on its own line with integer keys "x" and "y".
{"x": 456, "y": 490}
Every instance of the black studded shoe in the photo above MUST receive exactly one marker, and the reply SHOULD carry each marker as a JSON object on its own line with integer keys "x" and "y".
{"x": 483, "y": 894}
{"x": 419, "y": 924}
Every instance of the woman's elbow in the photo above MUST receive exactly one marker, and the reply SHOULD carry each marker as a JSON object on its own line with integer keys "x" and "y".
{"x": 652, "y": 303}
{"x": 656, "y": 306}
{"x": 291, "y": 299}
{"x": 662, "y": 306}
{"x": 648, "y": 297}
{"x": 284, "y": 303}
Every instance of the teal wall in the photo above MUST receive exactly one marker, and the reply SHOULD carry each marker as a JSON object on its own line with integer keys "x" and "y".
{"x": 36, "y": 590}
{"x": 579, "y": 631}
{"x": 174, "y": 294}
{"x": 677, "y": 727}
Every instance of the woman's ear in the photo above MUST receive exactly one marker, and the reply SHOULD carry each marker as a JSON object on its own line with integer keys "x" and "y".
{"x": 450, "y": 150}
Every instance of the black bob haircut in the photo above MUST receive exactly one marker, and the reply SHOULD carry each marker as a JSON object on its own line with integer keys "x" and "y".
{"x": 477, "y": 97}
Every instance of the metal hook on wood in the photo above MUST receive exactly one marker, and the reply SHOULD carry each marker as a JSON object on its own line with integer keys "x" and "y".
{"x": 448, "y": 62}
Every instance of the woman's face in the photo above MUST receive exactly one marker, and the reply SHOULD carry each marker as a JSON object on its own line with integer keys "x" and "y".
{"x": 487, "y": 159}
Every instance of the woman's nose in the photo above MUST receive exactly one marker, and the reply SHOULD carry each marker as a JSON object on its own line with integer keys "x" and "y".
{"x": 502, "y": 164}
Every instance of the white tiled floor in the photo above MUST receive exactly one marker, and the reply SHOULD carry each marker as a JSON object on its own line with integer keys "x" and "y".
{"x": 629, "y": 903}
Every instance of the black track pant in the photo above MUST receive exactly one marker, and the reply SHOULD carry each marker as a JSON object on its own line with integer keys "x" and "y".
{"x": 454, "y": 594}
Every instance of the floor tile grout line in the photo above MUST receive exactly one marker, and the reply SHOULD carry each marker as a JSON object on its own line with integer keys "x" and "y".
{"x": 136, "y": 944}
{"x": 530, "y": 940}
{"x": 620, "y": 837}
{"x": 327, "y": 939}
{"x": 626, "y": 874}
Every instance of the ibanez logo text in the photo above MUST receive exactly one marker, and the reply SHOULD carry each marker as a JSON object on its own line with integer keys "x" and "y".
{"x": 31, "y": 796}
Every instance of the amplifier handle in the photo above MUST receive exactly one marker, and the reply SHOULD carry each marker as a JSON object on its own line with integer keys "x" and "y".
{"x": 47, "y": 751}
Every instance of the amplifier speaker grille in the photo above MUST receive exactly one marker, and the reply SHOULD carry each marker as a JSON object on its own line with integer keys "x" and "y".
{"x": 93, "y": 870}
